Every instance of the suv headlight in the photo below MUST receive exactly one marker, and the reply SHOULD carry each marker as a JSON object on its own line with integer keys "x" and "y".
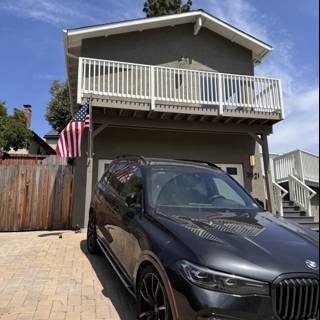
{"x": 223, "y": 282}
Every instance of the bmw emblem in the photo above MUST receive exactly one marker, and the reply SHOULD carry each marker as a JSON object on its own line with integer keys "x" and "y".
{"x": 312, "y": 264}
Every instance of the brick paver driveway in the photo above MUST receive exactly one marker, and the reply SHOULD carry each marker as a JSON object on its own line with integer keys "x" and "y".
{"x": 46, "y": 277}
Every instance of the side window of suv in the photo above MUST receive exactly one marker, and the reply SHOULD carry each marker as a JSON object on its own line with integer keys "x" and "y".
{"x": 125, "y": 177}
{"x": 133, "y": 181}
{"x": 117, "y": 174}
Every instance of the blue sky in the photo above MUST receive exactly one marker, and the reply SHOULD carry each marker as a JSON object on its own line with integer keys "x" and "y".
{"x": 31, "y": 54}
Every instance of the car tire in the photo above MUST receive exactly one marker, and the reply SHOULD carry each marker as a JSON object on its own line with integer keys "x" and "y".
{"x": 152, "y": 298}
{"x": 92, "y": 244}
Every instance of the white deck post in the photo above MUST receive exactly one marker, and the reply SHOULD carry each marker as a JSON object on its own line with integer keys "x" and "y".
{"x": 283, "y": 114}
{"x": 220, "y": 94}
{"x": 152, "y": 89}
{"x": 302, "y": 178}
{"x": 80, "y": 80}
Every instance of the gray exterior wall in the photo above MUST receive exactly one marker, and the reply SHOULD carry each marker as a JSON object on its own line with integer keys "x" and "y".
{"x": 215, "y": 147}
{"x": 166, "y": 46}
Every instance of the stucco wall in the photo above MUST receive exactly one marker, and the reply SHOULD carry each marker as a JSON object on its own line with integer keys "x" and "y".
{"x": 166, "y": 46}
{"x": 214, "y": 147}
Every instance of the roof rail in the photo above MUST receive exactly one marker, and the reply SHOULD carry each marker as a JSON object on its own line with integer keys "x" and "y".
{"x": 210, "y": 164}
{"x": 132, "y": 156}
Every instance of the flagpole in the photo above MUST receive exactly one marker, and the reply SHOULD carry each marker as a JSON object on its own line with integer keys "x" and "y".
{"x": 89, "y": 167}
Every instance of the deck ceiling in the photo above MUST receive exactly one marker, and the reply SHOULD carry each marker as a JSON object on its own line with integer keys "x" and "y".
{"x": 212, "y": 120}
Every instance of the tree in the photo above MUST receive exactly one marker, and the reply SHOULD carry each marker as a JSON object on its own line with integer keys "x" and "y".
{"x": 14, "y": 132}
{"x": 155, "y": 8}
{"x": 58, "y": 109}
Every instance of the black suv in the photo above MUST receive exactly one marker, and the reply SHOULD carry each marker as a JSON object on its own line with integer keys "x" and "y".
{"x": 190, "y": 243}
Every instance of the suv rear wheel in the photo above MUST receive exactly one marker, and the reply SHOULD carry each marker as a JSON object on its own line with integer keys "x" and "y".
{"x": 153, "y": 302}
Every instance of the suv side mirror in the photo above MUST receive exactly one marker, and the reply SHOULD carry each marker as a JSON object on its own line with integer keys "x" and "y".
{"x": 131, "y": 199}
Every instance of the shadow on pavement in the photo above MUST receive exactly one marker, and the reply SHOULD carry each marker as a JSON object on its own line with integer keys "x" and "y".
{"x": 49, "y": 234}
{"x": 113, "y": 288}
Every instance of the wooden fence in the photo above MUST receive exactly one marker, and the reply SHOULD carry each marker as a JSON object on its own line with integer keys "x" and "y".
{"x": 35, "y": 197}
{"x": 22, "y": 159}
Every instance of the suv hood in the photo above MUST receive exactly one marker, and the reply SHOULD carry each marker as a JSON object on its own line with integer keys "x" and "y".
{"x": 255, "y": 245}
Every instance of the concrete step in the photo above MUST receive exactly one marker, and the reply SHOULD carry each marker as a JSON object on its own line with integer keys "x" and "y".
{"x": 288, "y": 203}
{"x": 312, "y": 225}
{"x": 293, "y": 209}
{"x": 296, "y": 214}
{"x": 301, "y": 220}
{"x": 292, "y": 212}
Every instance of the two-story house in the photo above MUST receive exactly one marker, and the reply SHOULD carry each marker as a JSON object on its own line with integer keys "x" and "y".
{"x": 179, "y": 86}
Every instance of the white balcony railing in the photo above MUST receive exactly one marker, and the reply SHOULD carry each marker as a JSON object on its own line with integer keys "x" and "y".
{"x": 303, "y": 165}
{"x": 301, "y": 194}
{"x": 158, "y": 84}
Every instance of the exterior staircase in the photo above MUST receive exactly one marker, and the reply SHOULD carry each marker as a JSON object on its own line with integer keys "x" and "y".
{"x": 292, "y": 212}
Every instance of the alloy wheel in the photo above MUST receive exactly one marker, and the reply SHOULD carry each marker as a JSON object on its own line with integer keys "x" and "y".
{"x": 153, "y": 302}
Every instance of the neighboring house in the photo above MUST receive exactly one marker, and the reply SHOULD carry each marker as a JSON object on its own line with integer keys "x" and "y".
{"x": 178, "y": 86}
{"x": 37, "y": 145}
{"x": 52, "y": 138}
{"x": 298, "y": 173}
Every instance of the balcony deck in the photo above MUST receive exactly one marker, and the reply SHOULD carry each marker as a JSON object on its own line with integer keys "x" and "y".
{"x": 303, "y": 165}
{"x": 184, "y": 93}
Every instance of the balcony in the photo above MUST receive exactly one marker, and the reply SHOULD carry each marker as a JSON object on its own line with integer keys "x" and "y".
{"x": 164, "y": 89}
{"x": 303, "y": 165}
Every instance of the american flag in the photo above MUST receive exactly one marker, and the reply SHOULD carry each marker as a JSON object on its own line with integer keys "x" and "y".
{"x": 69, "y": 144}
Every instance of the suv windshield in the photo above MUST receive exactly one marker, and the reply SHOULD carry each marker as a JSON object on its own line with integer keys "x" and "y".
{"x": 196, "y": 187}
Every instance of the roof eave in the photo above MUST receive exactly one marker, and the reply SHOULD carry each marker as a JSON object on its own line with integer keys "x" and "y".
{"x": 145, "y": 23}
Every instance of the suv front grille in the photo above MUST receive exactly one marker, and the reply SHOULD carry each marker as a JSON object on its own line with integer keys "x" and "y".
{"x": 297, "y": 299}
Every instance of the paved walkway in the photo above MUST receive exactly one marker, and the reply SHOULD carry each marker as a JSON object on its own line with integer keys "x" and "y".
{"x": 44, "y": 277}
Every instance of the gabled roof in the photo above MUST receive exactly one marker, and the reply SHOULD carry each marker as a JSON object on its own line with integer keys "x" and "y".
{"x": 200, "y": 18}
{"x": 42, "y": 143}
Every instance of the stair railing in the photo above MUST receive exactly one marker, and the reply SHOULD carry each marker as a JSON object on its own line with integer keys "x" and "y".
{"x": 301, "y": 194}
{"x": 279, "y": 193}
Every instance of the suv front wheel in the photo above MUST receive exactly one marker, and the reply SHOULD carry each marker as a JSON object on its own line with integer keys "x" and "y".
{"x": 153, "y": 303}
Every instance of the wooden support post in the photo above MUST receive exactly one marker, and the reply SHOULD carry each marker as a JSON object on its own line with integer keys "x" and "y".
{"x": 266, "y": 162}
{"x": 88, "y": 190}
{"x": 89, "y": 169}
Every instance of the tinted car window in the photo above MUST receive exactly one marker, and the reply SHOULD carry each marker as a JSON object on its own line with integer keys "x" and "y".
{"x": 115, "y": 179}
{"x": 125, "y": 177}
{"x": 133, "y": 183}
{"x": 105, "y": 176}
{"x": 191, "y": 186}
